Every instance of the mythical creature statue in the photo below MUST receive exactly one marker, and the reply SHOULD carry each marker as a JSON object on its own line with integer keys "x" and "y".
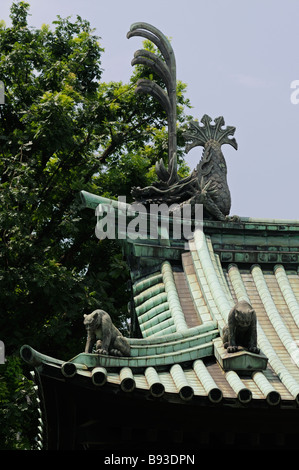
{"x": 241, "y": 329}
{"x": 207, "y": 184}
{"x": 108, "y": 339}
{"x": 212, "y": 167}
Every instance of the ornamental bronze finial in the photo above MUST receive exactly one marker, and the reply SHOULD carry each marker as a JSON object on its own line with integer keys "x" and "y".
{"x": 166, "y": 69}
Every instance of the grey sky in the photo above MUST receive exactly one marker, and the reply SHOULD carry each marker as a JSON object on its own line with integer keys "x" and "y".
{"x": 238, "y": 59}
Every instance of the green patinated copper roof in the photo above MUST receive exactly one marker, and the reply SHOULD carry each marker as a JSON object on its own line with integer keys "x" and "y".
{"x": 182, "y": 303}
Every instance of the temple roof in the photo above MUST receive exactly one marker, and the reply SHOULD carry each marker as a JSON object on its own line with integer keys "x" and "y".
{"x": 181, "y": 305}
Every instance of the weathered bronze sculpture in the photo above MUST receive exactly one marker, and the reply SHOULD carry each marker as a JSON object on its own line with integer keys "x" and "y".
{"x": 241, "y": 329}
{"x": 212, "y": 166}
{"x": 108, "y": 339}
{"x": 207, "y": 184}
{"x": 167, "y": 71}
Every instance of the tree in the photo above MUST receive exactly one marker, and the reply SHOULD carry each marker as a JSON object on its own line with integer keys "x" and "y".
{"x": 18, "y": 408}
{"x": 62, "y": 130}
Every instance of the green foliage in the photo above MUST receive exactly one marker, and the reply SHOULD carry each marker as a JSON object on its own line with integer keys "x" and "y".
{"x": 45, "y": 160}
{"x": 18, "y": 408}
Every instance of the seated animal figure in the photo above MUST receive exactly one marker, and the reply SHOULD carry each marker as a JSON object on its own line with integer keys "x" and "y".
{"x": 102, "y": 333}
{"x": 241, "y": 329}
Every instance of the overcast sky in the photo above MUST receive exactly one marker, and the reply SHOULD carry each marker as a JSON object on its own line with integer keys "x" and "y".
{"x": 238, "y": 59}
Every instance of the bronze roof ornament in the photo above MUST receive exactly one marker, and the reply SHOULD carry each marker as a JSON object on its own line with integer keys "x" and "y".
{"x": 167, "y": 71}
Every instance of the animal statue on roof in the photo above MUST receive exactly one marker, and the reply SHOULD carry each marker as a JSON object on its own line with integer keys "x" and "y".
{"x": 207, "y": 184}
{"x": 241, "y": 329}
{"x": 104, "y": 335}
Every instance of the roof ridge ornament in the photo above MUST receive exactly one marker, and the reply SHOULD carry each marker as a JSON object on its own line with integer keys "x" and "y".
{"x": 207, "y": 184}
{"x": 167, "y": 71}
{"x": 202, "y": 135}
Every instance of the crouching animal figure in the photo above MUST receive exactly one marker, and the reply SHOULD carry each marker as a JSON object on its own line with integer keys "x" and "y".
{"x": 110, "y": 341}
{"x": 241, "y": 329}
